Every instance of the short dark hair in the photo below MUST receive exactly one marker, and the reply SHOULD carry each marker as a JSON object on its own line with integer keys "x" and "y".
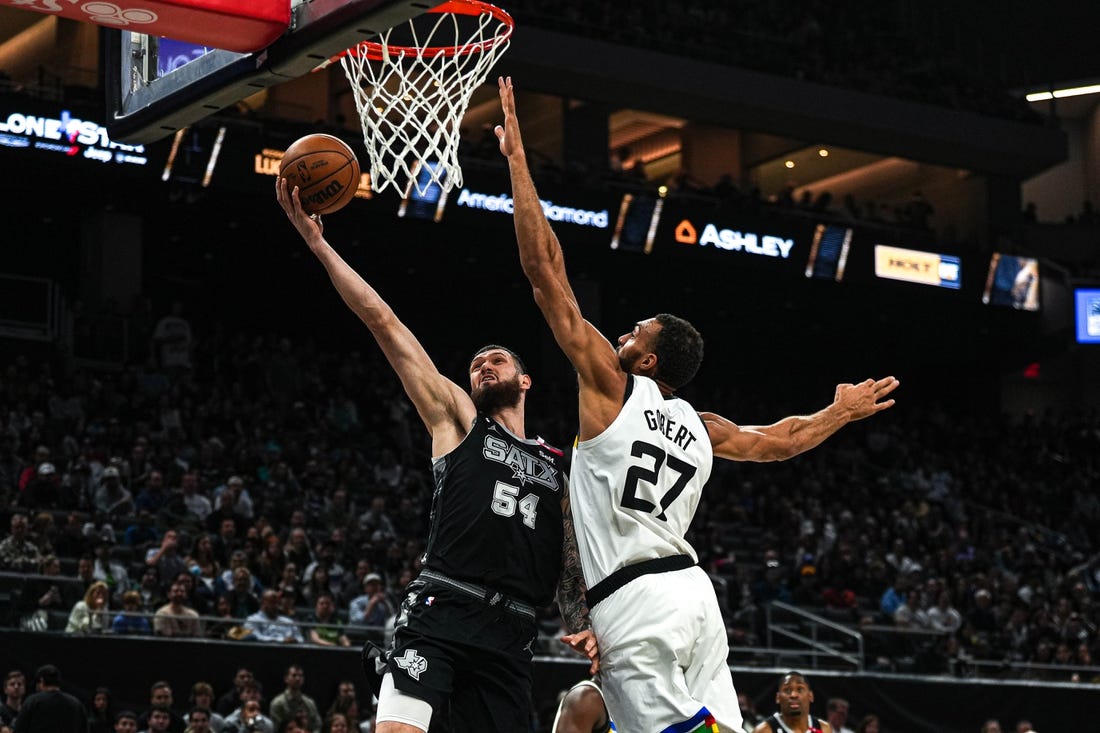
{"x": 14, "y": 674}
{"x": 124, "y": 714}
{"x": 520, "y": 366}
{"x": 679, "y": 350}
{"x": 794, "y": 673}
{"x": 48, "y": 674}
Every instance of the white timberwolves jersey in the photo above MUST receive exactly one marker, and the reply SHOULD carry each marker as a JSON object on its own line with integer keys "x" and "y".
{"x": 635, "y": 487}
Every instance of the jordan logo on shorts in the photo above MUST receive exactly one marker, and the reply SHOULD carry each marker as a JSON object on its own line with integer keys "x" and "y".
{"x": 412, "y": 663}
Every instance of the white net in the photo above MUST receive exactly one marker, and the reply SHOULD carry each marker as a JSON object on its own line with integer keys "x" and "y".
{"x": 411, "y": 95}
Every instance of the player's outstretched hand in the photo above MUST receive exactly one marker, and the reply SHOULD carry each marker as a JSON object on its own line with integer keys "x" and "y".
{"x": 510, "y": 141}
{"x": 866, "y": 398}
{"x": 584, "y": 642}
{"x": 309, "y": 226}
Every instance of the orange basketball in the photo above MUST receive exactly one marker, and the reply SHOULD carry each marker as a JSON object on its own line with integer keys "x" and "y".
{"x": 324, "y": 169}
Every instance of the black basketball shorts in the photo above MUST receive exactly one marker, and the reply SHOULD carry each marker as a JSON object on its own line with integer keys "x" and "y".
{"x": 471, "y": 661}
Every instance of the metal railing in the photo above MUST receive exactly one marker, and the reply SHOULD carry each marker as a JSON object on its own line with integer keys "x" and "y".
{"x": 818, "y": 637}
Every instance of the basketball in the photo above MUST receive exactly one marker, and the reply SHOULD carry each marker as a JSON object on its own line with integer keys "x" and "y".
{"x": 324, "y": 169}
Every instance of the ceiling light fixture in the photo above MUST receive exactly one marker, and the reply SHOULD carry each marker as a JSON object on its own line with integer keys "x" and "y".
{"x": 1062, "y": 93}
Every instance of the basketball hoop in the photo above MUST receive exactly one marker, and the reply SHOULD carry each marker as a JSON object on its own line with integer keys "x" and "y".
{"x": 412, "y": 87}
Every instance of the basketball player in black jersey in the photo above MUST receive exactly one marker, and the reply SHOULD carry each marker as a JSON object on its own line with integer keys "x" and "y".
{"x": 500, "y": 539}
{"x": 793, "y": 698}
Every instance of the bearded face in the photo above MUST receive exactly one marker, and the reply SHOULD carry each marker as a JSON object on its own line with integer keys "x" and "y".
{"x": 491, "y": 396}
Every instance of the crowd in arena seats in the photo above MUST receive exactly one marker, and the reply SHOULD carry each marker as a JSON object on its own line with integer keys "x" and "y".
{"x": 241, "y": 706}
{"x": 253, "y": 488}
{"x": 877, "y": 48}
{"x": 974, "y": 536}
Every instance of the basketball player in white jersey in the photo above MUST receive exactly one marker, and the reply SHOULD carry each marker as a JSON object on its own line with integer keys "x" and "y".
{"x": 641, "y": 461}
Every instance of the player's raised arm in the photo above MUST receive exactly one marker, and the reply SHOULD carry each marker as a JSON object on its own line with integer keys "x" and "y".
{"x": 540, "y": 254}
{"x": 798, "y": 434}
{"x": 444, "y": 407}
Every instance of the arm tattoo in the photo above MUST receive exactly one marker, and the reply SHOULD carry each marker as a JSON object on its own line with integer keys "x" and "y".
{"x": 571, "y": 585}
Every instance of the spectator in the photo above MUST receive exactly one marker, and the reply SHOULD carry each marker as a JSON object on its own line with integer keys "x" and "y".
{"x": 297, "y": 549}
{"x": 112, "y": 499}
{"x": 41, "y": 455}
{"x": 44, "y": 490}
{"x": 109, "y": 570}
{"x": 226, "y": 542}
{"x": 231, "y": 700}
{"x": 130, "y": 620}
{"x": 894, "y": 596}
{"x": 89, "y": 616}
{"x": 325, "y": 629}
{"x": 202, "y": 698}
{"x": 318, "y": 582}
{"x": 336, "y": 723}
{"x": 166, "y": 557}
{"x": 49, "y": 710}
{"x": 15, "y": 690}
{"x": 42, "y": 595}
{"x": 152, "y": 498}
{"x": 17, "y": 552}
{"x": 376, "y": 521}
{"x": 836, "y": 712}
{"x": 943, "y": 616}
{"x": 372, "y": 608}
{"x": 869, "y": 724}
{"x": 249, "y": 718}
{"x": 161, "y": 700}
{"x": 749, "y": 717}
{"x": 159, "y": 720}
{"x": 233, "y": 500}
{"x": 101, "y": 716}
{"x": 269, "y": 625}
{"x": 141, "y": 535}
{"x": 175, "y": 618}
{"x": 199, "y": 721}
{"x": 195, "y": 502}
{"x": 126, "y": 722}
{"x": 292, "y": 701}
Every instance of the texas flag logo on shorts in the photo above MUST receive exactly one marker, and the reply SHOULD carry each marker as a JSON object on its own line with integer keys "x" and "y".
{"x": 412, "y": 663}
{"x": 701, "y": 722}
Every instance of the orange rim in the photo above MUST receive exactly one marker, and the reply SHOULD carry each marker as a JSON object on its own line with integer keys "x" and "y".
{"x": 376, "y": 52}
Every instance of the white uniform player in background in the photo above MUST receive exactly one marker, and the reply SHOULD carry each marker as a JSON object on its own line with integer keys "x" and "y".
{"x": 639, "y": 468}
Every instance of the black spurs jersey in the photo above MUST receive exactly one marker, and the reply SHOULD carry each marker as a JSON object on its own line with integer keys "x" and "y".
{"x": 778, "y": 726}
{"x": 496, "y": 514}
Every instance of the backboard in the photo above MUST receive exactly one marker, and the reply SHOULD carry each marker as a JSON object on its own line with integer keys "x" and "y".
{"x": 156, "y": 86}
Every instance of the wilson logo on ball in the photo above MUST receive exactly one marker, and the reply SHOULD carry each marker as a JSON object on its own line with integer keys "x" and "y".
{"x": 325, "y": 194}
